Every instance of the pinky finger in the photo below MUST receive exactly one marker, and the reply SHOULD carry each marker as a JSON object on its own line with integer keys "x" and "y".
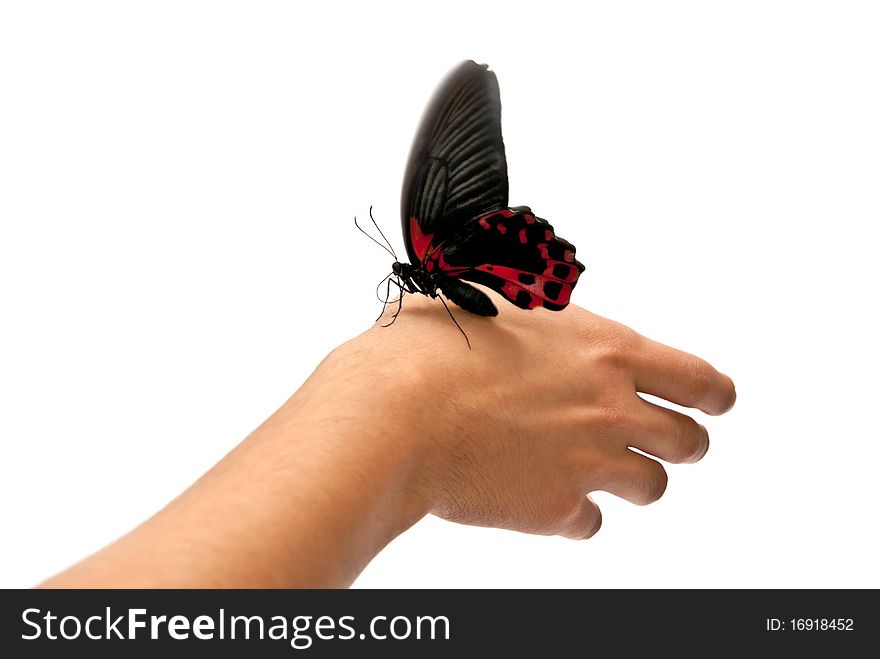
{"x": 584, "y": 522}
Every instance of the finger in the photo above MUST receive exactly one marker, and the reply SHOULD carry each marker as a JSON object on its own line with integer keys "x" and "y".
{"x": 584, "y": 522}
{"x": 636, "y": 478}
{"x": 682, "y": 378}
{"x": 667, "y": 434}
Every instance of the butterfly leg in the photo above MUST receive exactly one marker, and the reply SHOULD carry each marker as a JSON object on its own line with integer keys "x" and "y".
{"x": 387, "y": 296}
{"x": 403, "y": 289}
{"x": 463, "y": 333}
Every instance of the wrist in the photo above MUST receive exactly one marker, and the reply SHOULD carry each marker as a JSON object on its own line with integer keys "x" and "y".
{"x": 352, "y": 432}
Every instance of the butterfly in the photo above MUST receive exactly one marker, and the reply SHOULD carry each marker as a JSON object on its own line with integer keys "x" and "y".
{"x": 457, "y": 225}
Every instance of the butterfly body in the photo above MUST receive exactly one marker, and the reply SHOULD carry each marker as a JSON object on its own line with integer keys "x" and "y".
{"x": 457, "y": 224}
{"x": 417, "y": 279}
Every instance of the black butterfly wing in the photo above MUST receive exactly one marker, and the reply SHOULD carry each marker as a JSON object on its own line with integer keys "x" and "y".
{"x": 454, "y": 207}
{"x": 457, "y": 170}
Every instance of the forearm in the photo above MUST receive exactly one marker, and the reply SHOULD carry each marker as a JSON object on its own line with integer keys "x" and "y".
{"x": 307, "y": 500}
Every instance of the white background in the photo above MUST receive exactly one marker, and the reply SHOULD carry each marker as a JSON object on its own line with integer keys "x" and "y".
{"x": 177, "y": 184}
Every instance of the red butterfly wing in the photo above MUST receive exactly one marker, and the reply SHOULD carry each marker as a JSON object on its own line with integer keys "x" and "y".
{"x": 514, "y": 253}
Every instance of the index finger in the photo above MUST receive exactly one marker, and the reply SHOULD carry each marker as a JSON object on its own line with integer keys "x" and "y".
{"x": 682, "y": 378}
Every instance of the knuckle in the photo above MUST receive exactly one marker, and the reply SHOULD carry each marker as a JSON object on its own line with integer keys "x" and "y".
{"x": 691, "y": 444}
{"x": 701, "y": 377}
{"x": 728, "y": 398}
{"x": 609, "y": 356}
{"x": 699, "y": 443}
{"x": 625, "y": 335}
{"x": 678, "y": 453}
{"x": 612, "y": 419}
{"x": 556, "y": 511}
{"x": 569, "y": 504}
{"x": 582, "y": 522}
{"x": 593, "y": 526}
{"x": 616, "y": 346}
{"x": 653, "y": 484}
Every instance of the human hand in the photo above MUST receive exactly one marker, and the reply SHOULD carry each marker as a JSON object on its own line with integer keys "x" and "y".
{"x": 516, "y": 432}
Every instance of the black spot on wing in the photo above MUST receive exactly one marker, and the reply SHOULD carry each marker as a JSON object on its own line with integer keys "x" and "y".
{"x": 552, "y": 289}
{"x": 523, "y": 299}
{"x": 552, "y": 306}
{"x": 561, "y": 270}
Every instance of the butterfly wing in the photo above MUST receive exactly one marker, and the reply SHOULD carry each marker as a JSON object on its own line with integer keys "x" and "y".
{"x": 514, "y": 253}
{"x": 454, "y": 206}
{"x": 457, "y": 170}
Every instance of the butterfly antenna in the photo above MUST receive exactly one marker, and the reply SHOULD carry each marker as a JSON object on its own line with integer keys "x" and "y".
{"x": 391, "y": 252}
{"x": 456, "y": 322}
{"x": 375, "y": 224}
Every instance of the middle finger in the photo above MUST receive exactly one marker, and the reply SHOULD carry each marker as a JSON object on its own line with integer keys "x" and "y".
{"x": 667, "y": 434}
